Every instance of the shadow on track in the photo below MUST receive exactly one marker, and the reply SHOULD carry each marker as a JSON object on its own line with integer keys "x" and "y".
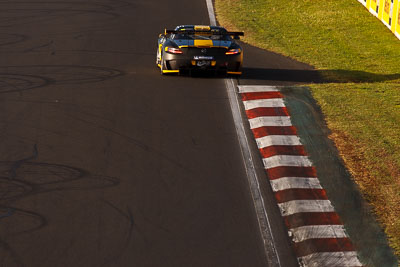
{"x": 297, "y": 76}
{"x": 315, "y": 76}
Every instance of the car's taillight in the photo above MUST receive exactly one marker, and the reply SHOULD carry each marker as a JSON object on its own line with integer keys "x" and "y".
{"x": 173, "y": 50}
{"x": 233, "y": 52}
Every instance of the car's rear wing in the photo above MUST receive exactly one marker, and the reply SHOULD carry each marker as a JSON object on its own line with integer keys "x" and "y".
{"x": 204, "y": 32}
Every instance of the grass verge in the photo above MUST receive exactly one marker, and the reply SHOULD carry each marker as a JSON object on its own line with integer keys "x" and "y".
{"x": 361, "y": 103}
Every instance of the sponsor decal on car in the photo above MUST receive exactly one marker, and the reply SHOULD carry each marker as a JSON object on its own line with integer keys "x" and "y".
{"x": 203, "y": 58}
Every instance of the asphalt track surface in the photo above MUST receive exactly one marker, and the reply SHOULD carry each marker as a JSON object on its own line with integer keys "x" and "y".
{"x": 104, "y": 162}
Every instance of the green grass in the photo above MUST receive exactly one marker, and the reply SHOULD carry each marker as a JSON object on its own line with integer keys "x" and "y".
{"x": 331, "y": 35}
{"x": 365, "y": 120}
{"x": 361, "y": 103}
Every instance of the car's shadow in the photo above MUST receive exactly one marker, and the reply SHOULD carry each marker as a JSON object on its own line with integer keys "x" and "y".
{"x": 300, "y": 76}
{"x": 315, "y": 76}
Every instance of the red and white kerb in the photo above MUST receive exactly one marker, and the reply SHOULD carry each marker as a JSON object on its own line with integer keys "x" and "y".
{"x": 318, "y": 235}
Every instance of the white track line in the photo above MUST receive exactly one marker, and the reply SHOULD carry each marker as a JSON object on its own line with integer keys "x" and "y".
{"x": 262, "y": 216}
{"x": 298, "y": 206}
{"x": 263, "y": 219}
{"x": 295, "y": 183}
{"x": 278, "y": 140}
{"x": 211, "y": 14}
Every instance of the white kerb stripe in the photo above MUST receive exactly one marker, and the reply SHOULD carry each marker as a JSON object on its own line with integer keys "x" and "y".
{"x": 334, "y": 259}
{"x": 264, "y": 103}
{"x": 270, "y": 121}
{"x": 295, "y": 183}
{"x": 317, "y": 231}
{"x": 286, "y": 160}
{"x": 278, "y": 140}
{"x": 257, "y": 88}
{"x": 297, "y": 206}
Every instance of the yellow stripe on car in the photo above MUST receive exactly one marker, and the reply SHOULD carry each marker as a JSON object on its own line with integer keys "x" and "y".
{"x": 202, "y": 28}
{"x": 203, "y": 43}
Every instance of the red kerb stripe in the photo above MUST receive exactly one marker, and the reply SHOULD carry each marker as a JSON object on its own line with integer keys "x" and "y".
{"x": 279, "y": 172}
{"x": 270, "y": 151}
{"x": 274, "y": 130}
{"x": 300, "y": 194}
{"x": 312, "y": 218}
{"x": 258, "y": 112}
{"x": 311, "y": 246}
{"x": 261, "y": 95}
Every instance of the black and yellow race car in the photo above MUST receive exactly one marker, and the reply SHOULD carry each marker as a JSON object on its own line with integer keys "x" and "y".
{"x": 199, "y": 47}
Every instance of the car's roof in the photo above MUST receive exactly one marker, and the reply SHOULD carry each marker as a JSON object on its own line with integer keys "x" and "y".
{"x": 200, "y": 28}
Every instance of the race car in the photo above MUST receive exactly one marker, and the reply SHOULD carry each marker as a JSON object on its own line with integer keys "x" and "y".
{"x": 199, "y": 47}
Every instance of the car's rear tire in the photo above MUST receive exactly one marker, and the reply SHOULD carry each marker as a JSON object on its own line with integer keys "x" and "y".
{"x": 158, "y": 58}
{"x": 162, "y": 67}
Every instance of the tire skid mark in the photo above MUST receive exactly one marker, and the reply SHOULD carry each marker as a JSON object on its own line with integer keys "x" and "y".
{"x": 27, "y": 77}
{"x": 137, "y": 143}
{"x": 11, "y": 39}
{"x": 14, "y": 229}
{"x": 318, "y": 236}
{"x": 26, "y": 177}
{"x": 12, "y": 82}
{"x": 131, "y": 222}
{"x": 23, "y": 178}
{"x": 36, "y": 48}
{"x": 22, "y": 12}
